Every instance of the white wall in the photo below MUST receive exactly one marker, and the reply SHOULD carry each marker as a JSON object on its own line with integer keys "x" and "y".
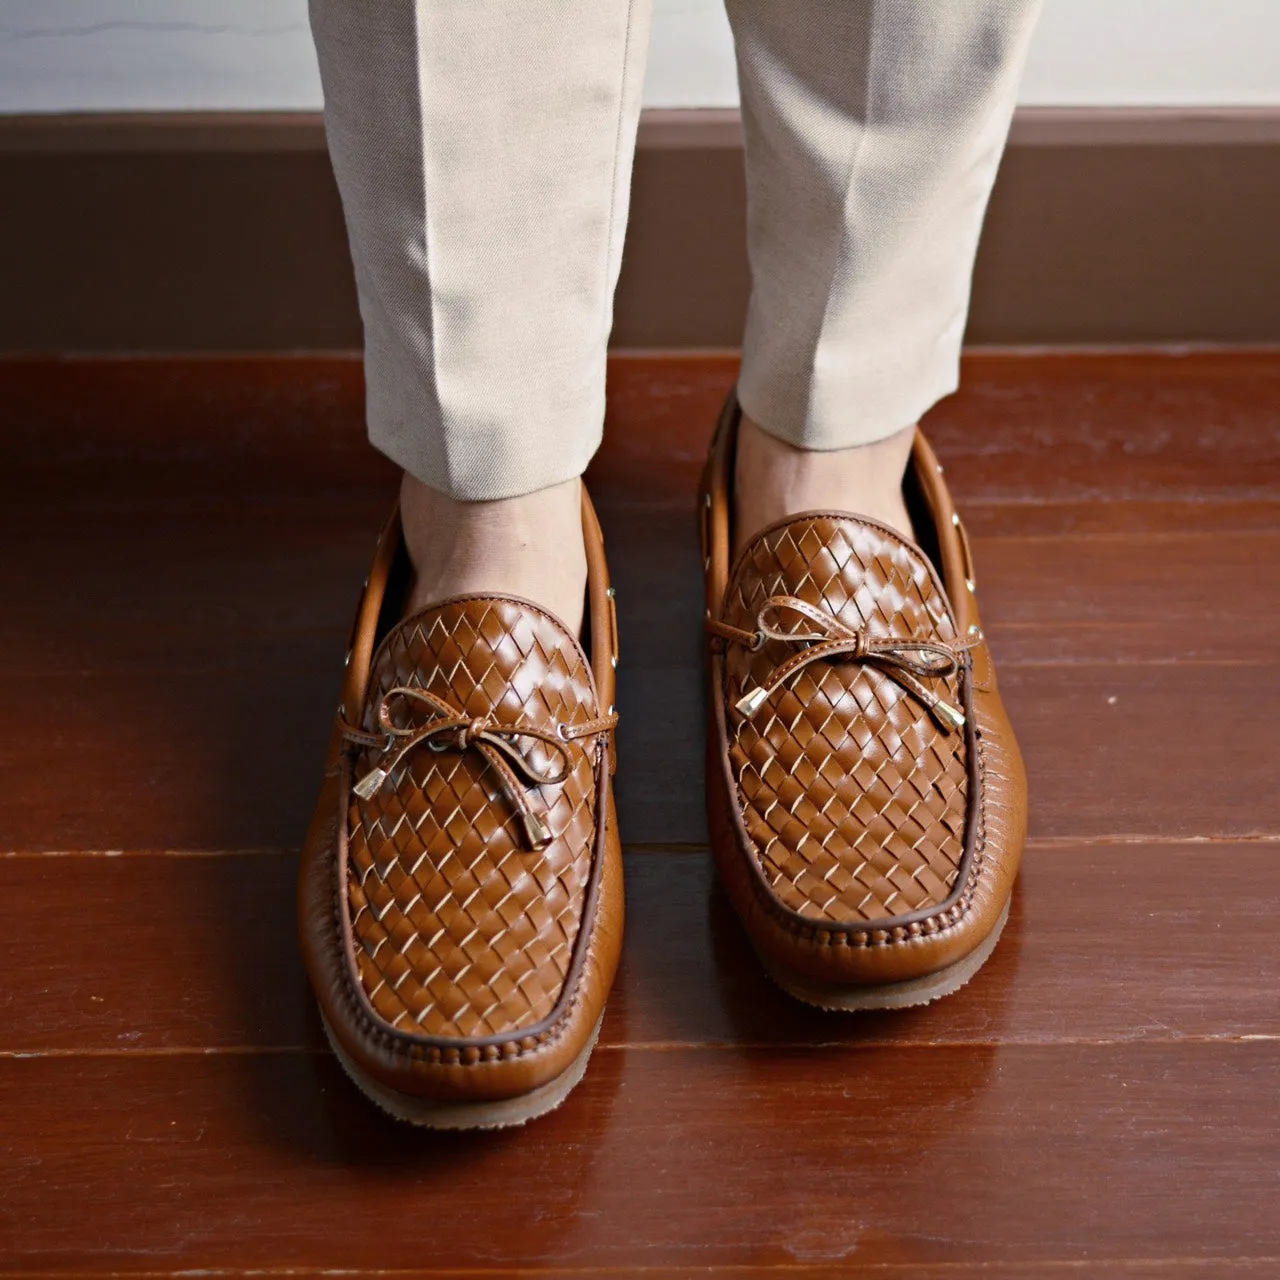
{"x": 119, "y": 55}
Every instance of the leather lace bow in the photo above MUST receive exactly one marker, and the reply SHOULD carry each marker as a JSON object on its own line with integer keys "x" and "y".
{"x": 448, "y": 729}
{"x": 908, "y": 662}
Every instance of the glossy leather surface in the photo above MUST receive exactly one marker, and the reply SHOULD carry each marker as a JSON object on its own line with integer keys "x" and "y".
{"x": 460, "y": 930}
{"x": 451, "y": 958}
{"x": 863, "y": 838}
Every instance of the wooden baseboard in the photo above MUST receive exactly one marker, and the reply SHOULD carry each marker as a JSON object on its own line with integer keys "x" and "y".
{"x": 224, "y": 232}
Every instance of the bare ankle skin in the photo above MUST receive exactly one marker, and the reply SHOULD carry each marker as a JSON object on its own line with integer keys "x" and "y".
{"x": 529, "y": 546}
{"x": 774, "y": 480}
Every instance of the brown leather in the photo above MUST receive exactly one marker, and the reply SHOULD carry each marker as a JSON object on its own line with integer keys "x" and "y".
{"x": 866, "y": 796}
{"x": 461, "y": 886}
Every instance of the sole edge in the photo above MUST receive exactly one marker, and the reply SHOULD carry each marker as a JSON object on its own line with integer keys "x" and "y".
{"x": 896, "y": 995}
{"x": 505, "y": 1113}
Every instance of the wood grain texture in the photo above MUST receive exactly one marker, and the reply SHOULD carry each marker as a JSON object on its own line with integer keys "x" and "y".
{"x": 1198, "y": 429}
{"x": 1110, "y": 749}
{"x": 190, "y": 536}
{"x": 286, "y": 568}
{"x": 168, "y": 975}
{"x": 1025, "y": 430}
{"x": 1080, "y": 597}
{"x": 757, "y": 1156}
{"x": 1144, "y": 1268}
{"x": 174, "y": 758}
{"x": 215, "y": 517}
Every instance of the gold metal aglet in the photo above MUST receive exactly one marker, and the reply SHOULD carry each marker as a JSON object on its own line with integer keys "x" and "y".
{"x": 947, "y": 716}
{"x": 751, "y": 702}
{"x": 368, "y": 786}
{"x": 538, "y": 832}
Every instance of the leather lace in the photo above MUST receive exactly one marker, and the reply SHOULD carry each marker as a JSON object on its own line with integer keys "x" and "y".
{"x": 448, "y": 729}
{"x": 908, "y": 662}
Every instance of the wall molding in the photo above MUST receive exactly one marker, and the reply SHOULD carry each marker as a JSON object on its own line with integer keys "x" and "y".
{"x": 216, "y": 231}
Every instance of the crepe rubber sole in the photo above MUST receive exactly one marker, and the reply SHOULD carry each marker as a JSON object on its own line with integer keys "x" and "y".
{"x": 892, "y": 995}
{"x": 502, "y": 1114}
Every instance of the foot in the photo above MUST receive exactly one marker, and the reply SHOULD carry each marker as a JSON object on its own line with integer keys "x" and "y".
{"x": 775, "y": 480}
{"x": 529, "y": 546}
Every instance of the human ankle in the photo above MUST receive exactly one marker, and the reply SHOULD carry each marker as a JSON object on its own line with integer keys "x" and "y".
{"x": 774, "y": 480}
{"x": 529, "y": 546}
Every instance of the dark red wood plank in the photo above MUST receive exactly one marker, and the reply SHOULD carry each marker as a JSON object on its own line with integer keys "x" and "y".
{"x": 205, "y": 583}
{"x": 1188, "y": 919}
{"x": 1146, "y": 1268}
{"x": 683, "y": 1159}
{"x": 1113, "y": 427}
{"x": 1133, "y": 597}
{"x": 152, "y": 758}
{"x": 1152, "y": 751}
{"x": 207, "y": 579}
{"x": 1056, "y": 427}
{"x": 161, "y": 952}
{"x": 138, "y": 952}
{"x": 224, "y": 426}
{"x": 1124, "y": 597}
{"x": 227, "y": 759}
{"x": 1024, "y": 427}
{"x": 1037, "y": 517}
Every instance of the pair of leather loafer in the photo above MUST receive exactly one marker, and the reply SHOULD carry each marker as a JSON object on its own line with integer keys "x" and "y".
{"x": 460, "y": 899}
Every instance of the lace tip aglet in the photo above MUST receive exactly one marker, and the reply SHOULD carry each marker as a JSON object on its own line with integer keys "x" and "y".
{"x": 751, "y": 702}
{"x": 947, "y": 716}
{"x": 369, "y": 785}
{"x": 538, "y": 832}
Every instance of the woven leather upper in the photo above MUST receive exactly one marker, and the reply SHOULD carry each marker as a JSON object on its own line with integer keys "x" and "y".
{"x": 460, "y": 895}
{"x": 865, "y": 794}
{"x": 460, "y": 929}
{"x": 854, "y": 797}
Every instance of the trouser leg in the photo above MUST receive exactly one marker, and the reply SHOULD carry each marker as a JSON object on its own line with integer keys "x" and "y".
{"x": 874, "y": 129}
{"x": 483, "y": 151}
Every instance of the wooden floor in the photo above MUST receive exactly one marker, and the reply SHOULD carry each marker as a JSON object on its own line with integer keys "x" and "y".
{"x": 180, "y": 547}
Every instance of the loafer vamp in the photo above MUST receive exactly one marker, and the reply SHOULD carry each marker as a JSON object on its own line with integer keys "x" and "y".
{"x": 459, "y": 929}
{"x": 854, "y": 798}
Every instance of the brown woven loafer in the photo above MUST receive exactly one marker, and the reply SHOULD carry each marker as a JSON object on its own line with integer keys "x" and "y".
{"x": 460, "y": 900}
{"x": 866, "y": 796}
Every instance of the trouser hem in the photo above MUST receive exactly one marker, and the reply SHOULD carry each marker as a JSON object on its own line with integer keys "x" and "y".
{"x": 484, "y": 463}
{"x": 843, "y": 411}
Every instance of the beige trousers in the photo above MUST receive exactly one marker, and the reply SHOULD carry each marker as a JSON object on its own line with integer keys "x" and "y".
{"x": 483, "y": 149}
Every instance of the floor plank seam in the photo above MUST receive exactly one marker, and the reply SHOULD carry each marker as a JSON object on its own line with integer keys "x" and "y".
{"x": 668, "y": 847}
{"x": 1093, "y": 1266}
{"x": 1225, "y": 1040}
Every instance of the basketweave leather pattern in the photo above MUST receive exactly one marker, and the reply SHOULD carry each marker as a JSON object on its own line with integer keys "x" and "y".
{"x": 854, "y": 798}
{"x": 460, "y": 930}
